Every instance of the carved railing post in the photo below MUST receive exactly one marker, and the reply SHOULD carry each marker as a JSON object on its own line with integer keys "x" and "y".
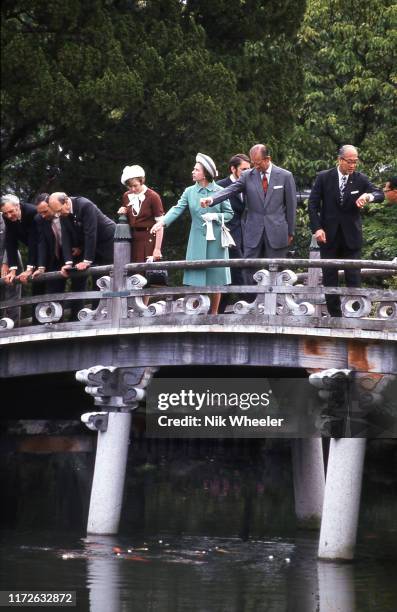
{"x": 117, "y": 391}
{"x": 270, "y": 301}
{"x": 314, "y": 276}
{"x": 122, "y": 256}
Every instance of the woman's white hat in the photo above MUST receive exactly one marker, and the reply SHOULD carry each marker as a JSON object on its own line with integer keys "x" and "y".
{"x": 131, "y": 172}
{"x": 208, "y": 163}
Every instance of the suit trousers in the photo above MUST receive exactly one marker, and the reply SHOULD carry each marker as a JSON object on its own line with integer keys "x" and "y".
{"x": 262, "y": 250}
{"x": 237, "y": 279}
{"x": 338, "y": 250}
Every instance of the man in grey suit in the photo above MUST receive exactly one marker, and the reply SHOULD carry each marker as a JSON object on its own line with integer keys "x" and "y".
{"x": 269, "y": 224}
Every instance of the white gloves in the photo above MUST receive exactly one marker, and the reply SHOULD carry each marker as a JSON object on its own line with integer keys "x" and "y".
{"x": 210, "y": 217}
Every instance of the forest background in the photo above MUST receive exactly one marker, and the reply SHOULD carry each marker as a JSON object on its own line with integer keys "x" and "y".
{"x": 90, "y": 86}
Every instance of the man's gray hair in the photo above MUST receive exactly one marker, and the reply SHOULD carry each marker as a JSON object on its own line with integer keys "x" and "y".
{"x": 9, "y": 198}
{"x": 344, "y": 148}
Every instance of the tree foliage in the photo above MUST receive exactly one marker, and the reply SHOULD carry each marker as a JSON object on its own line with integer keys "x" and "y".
{"x": 350, "y": 96}
{"x": 92, "y": 86}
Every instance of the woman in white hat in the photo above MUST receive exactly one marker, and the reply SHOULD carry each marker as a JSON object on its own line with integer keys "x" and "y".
{"x": 205, "y": 232}
{"x": 143, "y": 208}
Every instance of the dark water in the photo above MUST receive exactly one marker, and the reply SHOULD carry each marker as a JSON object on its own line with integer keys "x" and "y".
{"x": 205, "y": 528}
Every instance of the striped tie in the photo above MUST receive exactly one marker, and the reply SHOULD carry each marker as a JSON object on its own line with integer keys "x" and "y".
{"x": 56, "y": 228}
{"x": 342, "y": 188}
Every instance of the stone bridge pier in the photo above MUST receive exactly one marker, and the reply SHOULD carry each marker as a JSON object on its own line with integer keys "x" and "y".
{"x": 330, "y": 501}
{"x": 116, "y": 392}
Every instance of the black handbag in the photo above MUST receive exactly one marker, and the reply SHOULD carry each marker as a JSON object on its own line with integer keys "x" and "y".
{"x": 157, "y": 277}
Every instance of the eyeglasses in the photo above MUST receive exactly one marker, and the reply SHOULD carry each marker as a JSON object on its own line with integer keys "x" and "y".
{"x": 351, "y": 162}
{"x": 387, "y": 190}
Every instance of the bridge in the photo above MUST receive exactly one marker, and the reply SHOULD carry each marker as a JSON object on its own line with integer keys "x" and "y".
{"x": 130, "y": 330}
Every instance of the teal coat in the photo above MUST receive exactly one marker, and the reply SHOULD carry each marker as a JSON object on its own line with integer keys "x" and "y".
{"x": 198, "y": 247}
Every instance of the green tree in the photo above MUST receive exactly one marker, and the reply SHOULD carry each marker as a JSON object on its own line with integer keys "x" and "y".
{"x": 350, "y": 77}
{"x": 62, "y": 67}
{"x": 91, "y": 86}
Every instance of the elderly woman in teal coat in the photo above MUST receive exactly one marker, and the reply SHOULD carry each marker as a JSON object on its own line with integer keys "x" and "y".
{"x": 205, "y": 232}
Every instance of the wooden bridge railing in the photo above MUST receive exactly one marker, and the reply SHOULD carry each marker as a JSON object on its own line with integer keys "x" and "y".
{"x": 279, "y": 296}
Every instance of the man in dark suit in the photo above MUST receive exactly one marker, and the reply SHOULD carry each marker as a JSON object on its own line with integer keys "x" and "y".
{"x": 83, "y": 223}
{"x": 335, "y": 202}
{"x": 94, "y": 230}
{"x": 20, "y": 227}
{"x": 50, "y": 254}
{"x": 49, "y": 244}
{"x": 269, "y": 225}
{"x": 2, "y": 238}
{"x": 237, "y": 164}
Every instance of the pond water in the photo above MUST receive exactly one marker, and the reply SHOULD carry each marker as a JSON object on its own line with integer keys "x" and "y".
{"x": 206, "y": 527}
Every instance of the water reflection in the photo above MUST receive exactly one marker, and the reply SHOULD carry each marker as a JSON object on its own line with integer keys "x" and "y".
{"x": 336, "y": 586}
{"x": 264, "y": 574}
{"x": 184, "y": 573}
{"x": 187, "y": 574}
{"x": 206, "y": 528}
{"x": 103, "y": 574}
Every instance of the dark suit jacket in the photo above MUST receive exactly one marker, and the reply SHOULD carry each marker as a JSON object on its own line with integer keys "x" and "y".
{"x": 22, "y": 231}
{"x": 327, "y": 213}
{"x": 237, "y": 202}
{"x": 46, "y": 255}
{"x": 94, "y": 231}
{"x": 2, "y": 237}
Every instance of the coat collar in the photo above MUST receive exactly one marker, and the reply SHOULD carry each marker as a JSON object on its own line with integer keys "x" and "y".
{"x": 210, "y": 187}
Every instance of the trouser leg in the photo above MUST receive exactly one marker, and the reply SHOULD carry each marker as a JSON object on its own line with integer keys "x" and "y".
{"x": 263, "y": 250}
{"x": 237, "y": 279}
{"x": 352, "y": 277}
{"x": 338, "y": 250}
{"x": 330, "y": 279}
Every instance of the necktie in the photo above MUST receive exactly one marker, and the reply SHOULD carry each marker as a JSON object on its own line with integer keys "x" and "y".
{"x": 342, "y": 187}
{"x": 265, "y": 184}
{"x": 55, "y": 225}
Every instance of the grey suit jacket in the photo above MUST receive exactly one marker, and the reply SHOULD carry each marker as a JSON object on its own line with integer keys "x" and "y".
{"x": 276, "y": 213}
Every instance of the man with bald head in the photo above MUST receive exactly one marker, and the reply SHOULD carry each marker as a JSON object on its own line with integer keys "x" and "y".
{"x": 81, "y": 219}
{"x": 335, "y": 202}
{"x": 269, "y": 223}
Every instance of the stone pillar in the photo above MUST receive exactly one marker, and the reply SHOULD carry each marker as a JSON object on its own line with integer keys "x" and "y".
{"x": 117, "y": 391}
{"x": 109, "y": 475}
{"x": 353, "y": 407}
{"x": 309, "y": 481}
{"x": 342, "y": 499}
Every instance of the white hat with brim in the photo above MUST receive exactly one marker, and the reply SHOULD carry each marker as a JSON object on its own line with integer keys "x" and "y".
{"x": 131, "y": 172}
{"x": 208, "y": 163}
